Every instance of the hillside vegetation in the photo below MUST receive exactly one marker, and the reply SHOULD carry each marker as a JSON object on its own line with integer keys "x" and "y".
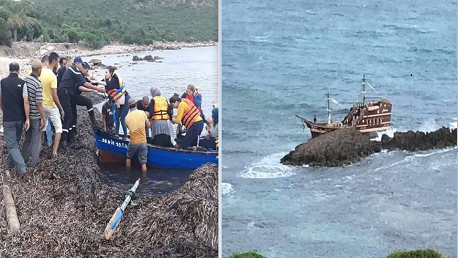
{"x": 99, "y": 22}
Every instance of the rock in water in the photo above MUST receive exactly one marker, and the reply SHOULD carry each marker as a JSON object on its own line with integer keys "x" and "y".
{"x": 416, "y": 141}
{"x": 148, "y": 58}
{"x": 337, "y": 148}
{"x": 136, "y": 58}
{"x": 95, "y": 62}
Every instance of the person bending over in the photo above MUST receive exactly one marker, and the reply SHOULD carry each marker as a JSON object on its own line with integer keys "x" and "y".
{"x": 136, "y": 121}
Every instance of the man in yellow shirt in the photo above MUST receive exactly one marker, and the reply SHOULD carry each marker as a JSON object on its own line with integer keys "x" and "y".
{"x": 136, "y": 121}
{"x": 51, "y": 105}
{"x": 189, "y": 116}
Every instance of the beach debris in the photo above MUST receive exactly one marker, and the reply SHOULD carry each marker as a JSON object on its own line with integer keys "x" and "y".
{"x": 10, "y": 208}
{"x": 117, "y": 216}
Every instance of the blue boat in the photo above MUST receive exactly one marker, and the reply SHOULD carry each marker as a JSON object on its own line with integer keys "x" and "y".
{"x": 114, "y": 149}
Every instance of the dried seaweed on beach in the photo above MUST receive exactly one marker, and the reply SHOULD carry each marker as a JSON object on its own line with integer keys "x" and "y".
{"x": 63, "y": 208}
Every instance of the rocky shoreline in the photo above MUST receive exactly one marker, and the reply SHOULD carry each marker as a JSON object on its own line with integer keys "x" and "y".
{"x": 63, "y": 208}
{"x": 25, "y": 52}
{"x": 347, "y": 146}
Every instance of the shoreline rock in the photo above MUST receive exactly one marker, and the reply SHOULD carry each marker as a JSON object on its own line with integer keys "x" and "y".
{"x": 419, "y": 141}
{"x": 337, "y": 148}
{"x": 346, "y": 146}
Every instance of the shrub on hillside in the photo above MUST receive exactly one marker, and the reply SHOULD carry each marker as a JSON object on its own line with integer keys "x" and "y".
{"x": 247, "y": 255}
{"x": 420, "y": 253}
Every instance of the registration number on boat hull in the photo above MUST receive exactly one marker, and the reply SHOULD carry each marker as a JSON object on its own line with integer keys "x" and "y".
{"x": 114, "y": 143}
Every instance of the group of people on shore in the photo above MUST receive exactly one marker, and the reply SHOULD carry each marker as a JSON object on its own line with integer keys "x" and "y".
{"x": 47, "y": 98}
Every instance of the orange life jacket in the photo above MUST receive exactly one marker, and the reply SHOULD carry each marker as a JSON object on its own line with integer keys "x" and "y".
{"x": 160, "y": 108}
{"x": 190, "y": 114}
{"x": 115, "y": 94}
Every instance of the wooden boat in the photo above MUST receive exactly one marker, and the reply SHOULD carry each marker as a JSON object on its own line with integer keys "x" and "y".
{"x": 369, "y": 118}
{"x": 114, "y": 149}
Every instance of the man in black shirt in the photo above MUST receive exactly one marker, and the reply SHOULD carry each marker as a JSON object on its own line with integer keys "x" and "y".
{"x": 61, "y": 70}
{"x": 78, "y": 100}
{"x": 14, "y": 103}
{"x": 143, "y": 103}
{"x": 70, "y": 80}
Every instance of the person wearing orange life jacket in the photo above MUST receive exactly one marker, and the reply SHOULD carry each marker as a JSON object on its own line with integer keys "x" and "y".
{"x": 189, "y": 116}
{"x": 195, "y": 97}
{"x": 158, "y": 110}
{"x": 118, "y": 95}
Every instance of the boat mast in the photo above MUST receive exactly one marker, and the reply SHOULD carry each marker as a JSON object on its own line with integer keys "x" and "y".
{"x": 329, "y": 109}
{"x": 363, "y": 92}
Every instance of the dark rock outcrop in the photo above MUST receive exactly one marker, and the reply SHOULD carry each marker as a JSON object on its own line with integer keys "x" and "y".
{"x": 97, "y": 63}
{"x": 95, "y": 98}
{"x": 137, "y": 58}
{"x": 148, "y": 58}
{"x": 346, "y": 146}
{"x": 337, "y": 148}
{"x": 418, "y": 141}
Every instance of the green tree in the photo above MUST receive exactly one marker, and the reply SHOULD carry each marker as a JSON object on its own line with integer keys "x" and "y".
{"x": 4, "y": 13}
{"x": 5, "y": 34}
{"x": 17, "y": 18}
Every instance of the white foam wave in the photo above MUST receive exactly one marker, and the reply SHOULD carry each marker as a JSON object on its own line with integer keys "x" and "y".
{"x": 390, "y": 132}
{"x": 226, "y": 189}
{"x": 429, "y": 125}
{"x": 427, "y": 154}
{"x": 268, "y": 167}
{"x": 406, "y": 159}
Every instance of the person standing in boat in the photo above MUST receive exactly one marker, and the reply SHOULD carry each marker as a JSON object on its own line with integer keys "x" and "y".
{"x": 195, "y": 97}
{"x": 189, "y": 116}
{"x": 171, "y": 123}
{"x": 107, "y": 117}
{"x": 158, "y": 112}
{"x": 211, "y": 139}
{"x": 136, "y": 121}
{"x": 119, "y": 97}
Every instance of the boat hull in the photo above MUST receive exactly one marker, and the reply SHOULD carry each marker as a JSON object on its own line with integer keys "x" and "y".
{"x": 113, "y": 150}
